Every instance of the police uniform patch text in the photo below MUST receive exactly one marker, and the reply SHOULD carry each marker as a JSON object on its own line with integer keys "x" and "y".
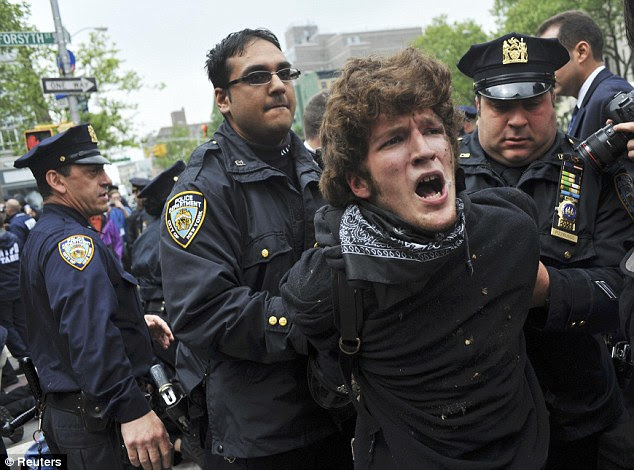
{"x": 184, "y": 215}
{"x": 77, "y": 250}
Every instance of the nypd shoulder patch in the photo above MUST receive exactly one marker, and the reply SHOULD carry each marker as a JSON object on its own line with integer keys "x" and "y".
{"x": 184, "y": 216}
{"x": 625, "y": 190}
{"x": 77, "y": 250}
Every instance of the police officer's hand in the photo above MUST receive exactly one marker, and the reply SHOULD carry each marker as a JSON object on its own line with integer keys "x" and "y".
{"x": 629, "y": 128}
{"x": 160, "y": 330}
{"x": 542, "y": 286}
{"x": 147, "y": 442}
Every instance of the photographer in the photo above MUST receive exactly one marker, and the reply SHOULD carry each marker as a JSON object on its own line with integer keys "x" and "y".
{"x": 442, "y": 370}
{"x": 582, "y": 241}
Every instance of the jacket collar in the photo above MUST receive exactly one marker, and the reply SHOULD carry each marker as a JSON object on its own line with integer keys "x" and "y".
{"x": 65, "y": 211}
{"x": 241, "y": 161}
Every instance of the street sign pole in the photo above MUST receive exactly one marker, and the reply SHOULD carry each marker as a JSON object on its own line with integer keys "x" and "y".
{"x": 61, "y": 43}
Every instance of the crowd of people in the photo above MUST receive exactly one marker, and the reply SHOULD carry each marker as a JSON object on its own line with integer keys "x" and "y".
{"x": 398, "y": 291}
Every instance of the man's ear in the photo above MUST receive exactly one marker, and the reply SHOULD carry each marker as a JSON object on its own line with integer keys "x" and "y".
{"x": 223, "y": 99}
{"x": 55, "y": 181}
{"x": 359, "y": 186}
{"x": 583, "y": 51}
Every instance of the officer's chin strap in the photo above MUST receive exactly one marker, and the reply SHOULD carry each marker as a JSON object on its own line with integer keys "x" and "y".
{"x": 348, "y": 313}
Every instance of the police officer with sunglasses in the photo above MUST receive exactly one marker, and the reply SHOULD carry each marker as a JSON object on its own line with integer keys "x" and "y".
{"x": 239, "y": 217}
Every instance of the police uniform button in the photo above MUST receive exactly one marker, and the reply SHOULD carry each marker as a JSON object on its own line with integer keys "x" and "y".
{"x": 582, "y": 322}
{"x": 62, "y": 158}
{"x": 468, "y": 342}
{"x": 283, "y": 321}
{"x": 474, "y": 257}
{"x": 220, "y": 449}
{"x": 567, "y": 254}
{"x": 97, "y": 409}
{"x": 573, "y": 324}
{"x": 272, "y": 320}
{"x": 265, "y": 253}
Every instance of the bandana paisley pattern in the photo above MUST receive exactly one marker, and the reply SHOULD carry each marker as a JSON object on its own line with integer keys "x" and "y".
{"x": 360, "y": 237}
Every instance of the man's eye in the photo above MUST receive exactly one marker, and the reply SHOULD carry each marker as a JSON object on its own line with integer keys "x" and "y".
{"x": 435, "y": 130}
{"x": 392, "y": 141}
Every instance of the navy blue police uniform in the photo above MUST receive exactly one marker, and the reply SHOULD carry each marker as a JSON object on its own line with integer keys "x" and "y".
{"x": 89, "y": 340}
{"x": 235, "y": 222}
{"x": 584, "y": 230}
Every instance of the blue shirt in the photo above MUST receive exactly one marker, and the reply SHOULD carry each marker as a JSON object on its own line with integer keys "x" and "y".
{"x": 84, "y": 316}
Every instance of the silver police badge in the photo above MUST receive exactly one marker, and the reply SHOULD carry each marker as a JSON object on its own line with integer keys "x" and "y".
{"x": 77, "y": 250}
{"x": 184, "y": 216}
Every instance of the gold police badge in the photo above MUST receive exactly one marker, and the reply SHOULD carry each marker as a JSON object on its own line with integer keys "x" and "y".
{"x": 514, "y": 51}
{"x": 77, "y": 250}
{"x": 184, "y": 215}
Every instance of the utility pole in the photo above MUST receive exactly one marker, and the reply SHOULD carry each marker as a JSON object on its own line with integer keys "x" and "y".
{"x": 63, "y": 54}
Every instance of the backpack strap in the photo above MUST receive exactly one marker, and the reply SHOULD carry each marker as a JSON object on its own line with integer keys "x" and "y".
{"x": 348, "y": 315}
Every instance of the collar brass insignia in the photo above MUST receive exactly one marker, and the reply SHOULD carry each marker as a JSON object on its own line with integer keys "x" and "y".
{"x": 514, "y": 51}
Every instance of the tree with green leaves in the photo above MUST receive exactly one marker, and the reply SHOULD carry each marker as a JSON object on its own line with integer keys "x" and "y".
{"x": 23, "y": 105}
{"x": 21, "y": 101}
{"x": 448, "y": 42}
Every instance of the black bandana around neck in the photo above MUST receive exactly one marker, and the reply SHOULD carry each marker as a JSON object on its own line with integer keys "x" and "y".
{"x": 378, "y": 247}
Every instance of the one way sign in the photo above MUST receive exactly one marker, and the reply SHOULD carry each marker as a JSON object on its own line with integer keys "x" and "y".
{"x": 70, "y": 85}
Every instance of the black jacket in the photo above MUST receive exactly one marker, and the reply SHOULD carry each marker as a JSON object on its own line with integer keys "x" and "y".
{"x": 564, "y": 342}
{"x": 221, "y": 291}
{"x": 9, "y": 266}
{"x": 442, "y": 365}
{"x": 145, "y": 262}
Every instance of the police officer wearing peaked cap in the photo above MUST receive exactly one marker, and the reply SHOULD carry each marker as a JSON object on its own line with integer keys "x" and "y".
{"x": 584, "y": 231}
{"x": 89, "y": 341}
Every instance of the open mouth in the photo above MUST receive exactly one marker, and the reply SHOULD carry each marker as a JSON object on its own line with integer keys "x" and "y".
{"x": 430, "y": 187}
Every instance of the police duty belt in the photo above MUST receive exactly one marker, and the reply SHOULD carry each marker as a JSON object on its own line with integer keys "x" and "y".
{"x": 566, "y": 210}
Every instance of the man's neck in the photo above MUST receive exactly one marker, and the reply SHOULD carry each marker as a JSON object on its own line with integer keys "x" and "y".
{"x": 588, "y": 81}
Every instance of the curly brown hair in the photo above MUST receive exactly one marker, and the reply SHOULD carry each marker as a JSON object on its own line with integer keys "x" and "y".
{"x": 366, "y": 89}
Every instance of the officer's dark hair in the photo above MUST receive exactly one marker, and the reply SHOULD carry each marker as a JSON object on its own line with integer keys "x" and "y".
{"x": 43, "y": 187}
{"x": 314, "y": 114}
{"x": 575, "y": 26}
{"x": 371, "y": 87}
{"x": 233, "y": 45}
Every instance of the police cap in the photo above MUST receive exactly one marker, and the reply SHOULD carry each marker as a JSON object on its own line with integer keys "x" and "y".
{"x": 139, "y": 182}
{"x": 161, "y": 186}
{"x": 514, "y": 66}
{"x": 76, "y": 145}
{"x": 470, "y": 112}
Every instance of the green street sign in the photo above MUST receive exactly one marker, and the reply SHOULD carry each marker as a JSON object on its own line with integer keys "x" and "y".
{"x": 26, "y": 38}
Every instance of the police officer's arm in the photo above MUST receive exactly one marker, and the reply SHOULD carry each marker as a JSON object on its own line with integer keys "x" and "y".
{"x": 83, "y": 302}
{"x": 210, "y": 306}
{"x": 585, "y": 295}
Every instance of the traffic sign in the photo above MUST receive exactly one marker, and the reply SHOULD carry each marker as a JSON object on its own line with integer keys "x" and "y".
{"x": 26, "y": 38}
{"x": 71, "y": 61}
{"x": 71, "y": 85}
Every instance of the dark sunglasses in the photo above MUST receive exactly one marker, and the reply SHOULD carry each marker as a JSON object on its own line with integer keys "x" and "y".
{"x": 262, "y": 77}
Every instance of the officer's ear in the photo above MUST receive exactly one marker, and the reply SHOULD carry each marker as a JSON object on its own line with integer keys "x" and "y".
{"x": 56, "y": 181}
{"x": 359, "y": 186}
{"x": 223, "y": 99}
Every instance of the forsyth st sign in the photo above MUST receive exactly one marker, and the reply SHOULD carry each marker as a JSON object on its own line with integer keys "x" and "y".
{"x": 26, "y": 38}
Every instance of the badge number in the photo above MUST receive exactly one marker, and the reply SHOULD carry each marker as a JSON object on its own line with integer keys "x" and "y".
{"x": 184, "y": 216}
{"x": 77, "y": 250}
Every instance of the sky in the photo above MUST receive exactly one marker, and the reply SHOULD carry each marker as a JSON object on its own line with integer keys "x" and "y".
{"x": 166, "y": 41}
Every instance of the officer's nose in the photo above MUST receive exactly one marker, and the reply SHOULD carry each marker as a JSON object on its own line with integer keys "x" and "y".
{"x": 517, "y": 116}
{"x": 276, "y": 85}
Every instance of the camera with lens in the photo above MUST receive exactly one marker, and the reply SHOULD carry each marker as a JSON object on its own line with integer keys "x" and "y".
{"x": 603, "y": 148}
